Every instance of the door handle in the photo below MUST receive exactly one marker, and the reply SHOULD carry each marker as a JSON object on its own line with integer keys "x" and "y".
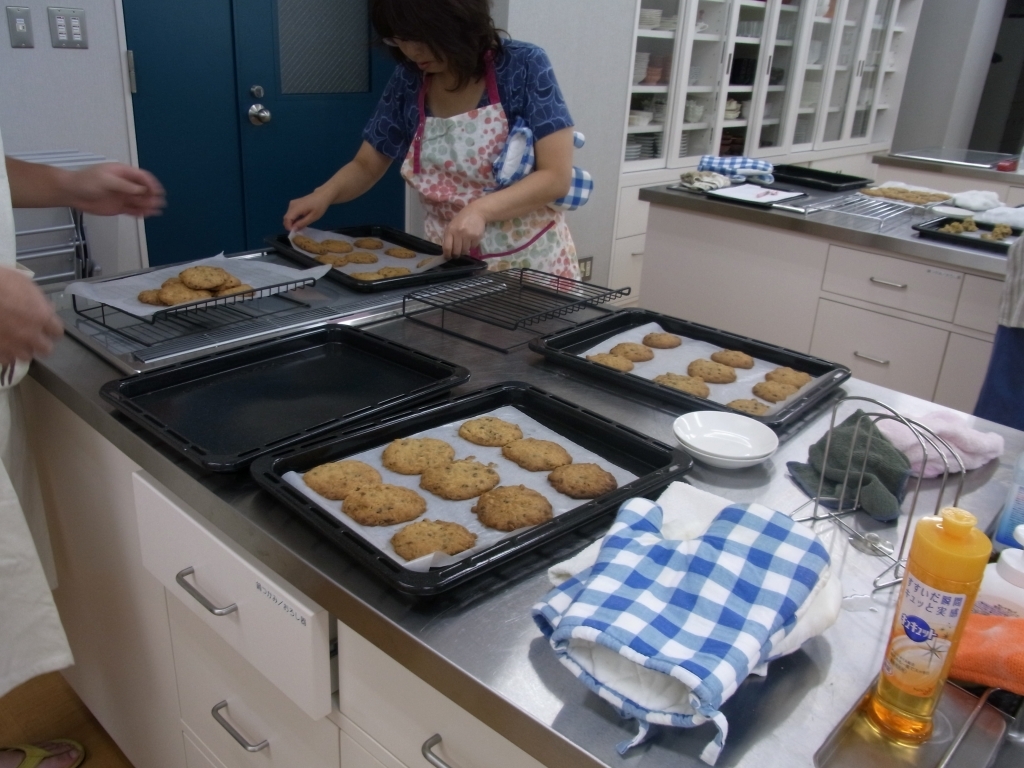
{"x": 258, "y": 114}
{"x": 427, "y": 751}
{"x": 879, "y": 281}
{"x": 199, "y": 596}
{"x": 868, "y": 357}
{"x": 231, "y": 729}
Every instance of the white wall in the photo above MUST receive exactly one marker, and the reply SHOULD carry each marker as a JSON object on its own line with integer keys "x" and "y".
{"x": 946, "y": 77}
{"x": 53, "y": 98}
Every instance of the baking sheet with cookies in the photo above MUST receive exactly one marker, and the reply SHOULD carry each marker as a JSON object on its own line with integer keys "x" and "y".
{"x": 461, "y": 511}
{"x": 123, "y": 293}
{"x": 677, "y": 360}
{"x": 416, "y": 263}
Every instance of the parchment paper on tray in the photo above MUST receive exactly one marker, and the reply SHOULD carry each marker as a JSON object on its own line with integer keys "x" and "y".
{"x": 420, "y": 263}
{"x": 676, "y": 361}
{"x": 461, "y": 511}
{"x": 123, "y": 293}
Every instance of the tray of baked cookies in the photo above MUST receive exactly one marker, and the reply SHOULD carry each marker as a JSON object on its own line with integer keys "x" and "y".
{"x": 435, "y": 497}
{"x": 695, "y": 366}
{"x": 374, "y": 258}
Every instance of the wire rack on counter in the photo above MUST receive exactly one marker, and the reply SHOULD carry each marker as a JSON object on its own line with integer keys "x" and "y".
{"x": 521, "y": 301}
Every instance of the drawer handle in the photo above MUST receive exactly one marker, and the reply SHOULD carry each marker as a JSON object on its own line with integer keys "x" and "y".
{"x": 427, "y": 751}
{"x": 199, "y": 596}
{"x": 231, "y": 729}
{"x": 872, "y": 359}
{"x": 901, "y": 286}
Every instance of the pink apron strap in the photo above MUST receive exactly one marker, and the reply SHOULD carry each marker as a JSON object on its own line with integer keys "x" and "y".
{"x": 477, "y": 254}
{"x": 492, "y": 98}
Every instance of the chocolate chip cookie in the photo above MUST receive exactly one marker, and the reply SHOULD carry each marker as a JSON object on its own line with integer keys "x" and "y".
{"x": 425, "y": 537}
{"x": 412, "y": 455}
{"x": 338, "y": 479}
{"x": 711, "y": 372}
{"x": 661, "y": 340}
{"x": 204, "y": 278}
{"x": 691, "y": 385}
{"x": 383, "y": 504}
{"x": 536, "y": 455}
{"x": 753, "y": 407}
{"x": 789, "y": 376}
{"x": 511, "y": 507}
{"x": 733, "y": 358}
{"x": 490, "y": 431}
{"x": 773, "y": 391}
{"x": 371, "y": 243}
{"x": 636, "y": 353}
{"x": 611, "y": 361}
{"x": 582, "y": 481}
{"x": 460, "y": 480}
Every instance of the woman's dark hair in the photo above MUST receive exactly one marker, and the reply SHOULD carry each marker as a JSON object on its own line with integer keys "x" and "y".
{"x": 458, "y": 31}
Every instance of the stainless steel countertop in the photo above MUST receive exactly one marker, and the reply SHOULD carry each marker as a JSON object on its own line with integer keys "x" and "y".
{"x": 487, "y": 655}
{"x": 895, "y": 236}
{"x": 949, "y": 169}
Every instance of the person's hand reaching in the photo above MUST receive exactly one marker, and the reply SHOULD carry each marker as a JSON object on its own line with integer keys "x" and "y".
{"x": 303, "y": 211}
{"x": 109, "y": 189}
{"x": 463, "y": 233}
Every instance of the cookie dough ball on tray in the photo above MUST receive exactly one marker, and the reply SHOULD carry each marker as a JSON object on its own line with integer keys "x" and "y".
{"x": 425, "y": 537}
{"x": 733, "y": 358}
{"x": 412, "y": 455}
{"x": 338, "y": 479}
{"x": 711, "y": 372}
{"x": 536, "y": 455}
{"x": 789, "y": 376}
{"x": 691, "y": 385}
{"x": 511, "y": 507}
{"x": 383, "y": 504}
{"x": 460, "y": 480}
{"x": 611, "y": 361}
{"x": 582, "y": 481}
{"x": 490, "y": 431}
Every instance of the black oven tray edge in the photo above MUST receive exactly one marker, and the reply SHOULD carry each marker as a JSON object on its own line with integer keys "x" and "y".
{"x": 463, "y": 266}
{"x": 122, "y": 393}
{"x": 818, "y": 179}
{"x": 590, "y": 333}
{"x": 930, "y": 229}
{"x": 655, "y": 463}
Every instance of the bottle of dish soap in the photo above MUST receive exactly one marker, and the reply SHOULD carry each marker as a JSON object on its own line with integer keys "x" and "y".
{"x": 947, "y": 559}
{"x": 1013, "y": 510}
{"x": 1002, "y": 589}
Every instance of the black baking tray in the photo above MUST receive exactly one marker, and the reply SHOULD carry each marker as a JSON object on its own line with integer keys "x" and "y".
{"x": 565, "y": 347}
{"x": 930, "y": 229}
{"x": 654, "y": 463}
{"x": 224, "y": 410}
{"x": 463, "y": 266}
{"x": 815, "y": 179}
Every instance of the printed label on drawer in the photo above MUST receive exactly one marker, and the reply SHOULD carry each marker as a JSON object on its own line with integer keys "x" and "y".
{"x": 282, "y": 604}
{"x": 945, "y": 273}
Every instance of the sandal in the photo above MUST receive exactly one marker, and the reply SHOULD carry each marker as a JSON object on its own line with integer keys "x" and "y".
{"x": 35, "y": 755}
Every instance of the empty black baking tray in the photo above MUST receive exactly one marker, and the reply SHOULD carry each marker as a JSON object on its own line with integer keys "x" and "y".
{"x": 654, "y": 463}
{"x": 933, "y": 230}
{"x": 817, "y": 179}
{"x": 565, "y": 348}
{"x": 463, "y": 266}
{"x": 224, "y": 410}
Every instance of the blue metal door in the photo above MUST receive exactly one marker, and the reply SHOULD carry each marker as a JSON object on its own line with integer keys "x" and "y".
{"x": 201, "y": 66}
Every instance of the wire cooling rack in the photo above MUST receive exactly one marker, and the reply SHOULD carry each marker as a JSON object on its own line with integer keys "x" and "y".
{"x": 518, "y": 300}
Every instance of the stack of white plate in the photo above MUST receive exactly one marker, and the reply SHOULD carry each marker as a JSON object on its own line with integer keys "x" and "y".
{"x": 633, "y": 149}
{"x": 648, "y": 145}
{"x": 649, "y": 18}
{"x": 668, "y": 23}
{"x": 659, "y": 108}
{"x": 726, "y": 440}
{"x": 640, "y": 64}
{"x": 684, "y": 144}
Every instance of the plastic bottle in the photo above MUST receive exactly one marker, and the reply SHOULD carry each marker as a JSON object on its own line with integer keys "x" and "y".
{"x": 947, "y": 559}
{"x": 1013, "y": 510}
{"x": 1002, "y": 589}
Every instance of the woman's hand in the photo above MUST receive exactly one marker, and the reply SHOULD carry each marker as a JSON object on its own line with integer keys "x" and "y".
{"x": 464, "y": 232}
{"x": 305, "y": 210}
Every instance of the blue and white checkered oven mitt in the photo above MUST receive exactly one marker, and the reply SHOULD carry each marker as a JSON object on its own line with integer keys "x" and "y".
{"x": 517, "y": 159}
{"x": 738, "y": 169}
{"x": 666, "y": 630}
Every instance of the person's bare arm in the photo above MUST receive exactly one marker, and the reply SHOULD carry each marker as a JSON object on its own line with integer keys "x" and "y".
{"x": 106, "y": 189}
{"x": 550, "y": 180}
{"x": 28, "y": 323}
{"x": 354, "y": 179}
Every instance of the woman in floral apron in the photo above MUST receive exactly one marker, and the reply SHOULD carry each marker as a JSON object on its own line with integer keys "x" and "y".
{"x": 446, "y": 111}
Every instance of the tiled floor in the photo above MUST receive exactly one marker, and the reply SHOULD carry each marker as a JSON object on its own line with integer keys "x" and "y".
{"x": 47, "y": 708}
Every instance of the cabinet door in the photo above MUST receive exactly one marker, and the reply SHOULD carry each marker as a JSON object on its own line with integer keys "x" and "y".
{"x": 963, "y": 372}
{"x": 401, "y": 712}
{"x": 978, "y": 307}
{"x": 872, "y": 69}
{"x": 848, "y": 41}
{"x": 884, "y": 350}
{"x": 627, "y": 266}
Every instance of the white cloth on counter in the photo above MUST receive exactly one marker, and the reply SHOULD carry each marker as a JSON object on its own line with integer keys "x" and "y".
{"x": 703, "y": 181}
{"x": 1013, "y": 217}
{"x": 977, "y": 200}
{"x": 975, "y": 448}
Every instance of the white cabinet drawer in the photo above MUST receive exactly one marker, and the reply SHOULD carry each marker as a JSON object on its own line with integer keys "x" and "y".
{"x": 209, "y": 672}
{"x": 632, "y": 213}
{"x": 354, "y": 756}
{"x": 978, "y": 307}
{"x": 195, "y": 757}
{"x": 906, "y": 285}
{"x": 276, "y": 628}
{"x": 963, "y": 372}
{"x": 401, "y": 712}
{"x": 627, "y": 265}
{"x": 887, "y": 351}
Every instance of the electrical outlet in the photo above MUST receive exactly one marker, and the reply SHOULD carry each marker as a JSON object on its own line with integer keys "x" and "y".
{"x": 67, "y": 27}
{"x": 586, "y": 268}
{"x": 19, "y": 24}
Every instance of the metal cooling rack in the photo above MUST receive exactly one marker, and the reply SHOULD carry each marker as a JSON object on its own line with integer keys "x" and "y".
{"x": 513, "y": 300}
{"x": 865, "y": 207}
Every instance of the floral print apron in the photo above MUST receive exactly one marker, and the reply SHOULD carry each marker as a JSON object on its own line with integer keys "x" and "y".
{"x": 450, "y": 165}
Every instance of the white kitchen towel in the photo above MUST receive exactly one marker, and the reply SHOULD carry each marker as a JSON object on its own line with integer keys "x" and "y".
{"x": 975, "y": 448}
{"x": 688, "y": 513}
{"x": 977, "y": 200}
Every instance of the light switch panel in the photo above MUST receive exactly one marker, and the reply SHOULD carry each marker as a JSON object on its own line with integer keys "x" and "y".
{"x": 19, "y": 24}
{"x": 67, "y": 27}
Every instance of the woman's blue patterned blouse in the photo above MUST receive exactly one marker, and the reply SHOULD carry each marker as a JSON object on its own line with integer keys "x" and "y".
{"x": 526, "y": 86}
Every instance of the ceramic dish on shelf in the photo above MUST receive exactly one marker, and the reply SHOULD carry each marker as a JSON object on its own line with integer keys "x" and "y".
{"x": 723, "y": 439}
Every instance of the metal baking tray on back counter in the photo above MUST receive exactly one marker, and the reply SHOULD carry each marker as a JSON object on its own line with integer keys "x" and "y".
{"x": 654, "y": 464}
{"x": 817, "y": 179}
{"x": 224, "y": 410}
{"x": 565, "y": 348}
{"x": 453, "y": 269}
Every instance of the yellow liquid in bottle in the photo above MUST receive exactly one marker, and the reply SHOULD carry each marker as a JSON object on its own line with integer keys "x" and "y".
{"x": 947, "y": 561}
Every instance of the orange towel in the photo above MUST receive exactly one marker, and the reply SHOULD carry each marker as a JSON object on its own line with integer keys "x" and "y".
{"x": 991, "y": 653}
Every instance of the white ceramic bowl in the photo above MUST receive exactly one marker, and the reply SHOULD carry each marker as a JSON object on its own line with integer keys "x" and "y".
{"x": 718, "y": 461}
{"x": 730, "y": 437}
